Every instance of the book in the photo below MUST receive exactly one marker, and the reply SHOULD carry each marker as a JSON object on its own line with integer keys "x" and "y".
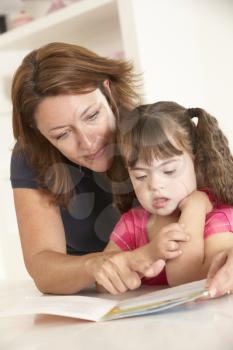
{"x": 98, "y": 307}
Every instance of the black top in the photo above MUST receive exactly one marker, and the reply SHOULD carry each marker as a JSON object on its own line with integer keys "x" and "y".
{"x": 90, "y": 216}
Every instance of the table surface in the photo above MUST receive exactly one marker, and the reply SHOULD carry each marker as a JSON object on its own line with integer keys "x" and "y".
{"x": 202, "y": 325}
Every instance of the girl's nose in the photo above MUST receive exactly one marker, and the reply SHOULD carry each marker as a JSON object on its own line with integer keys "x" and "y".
{"x": 156, "y": 183}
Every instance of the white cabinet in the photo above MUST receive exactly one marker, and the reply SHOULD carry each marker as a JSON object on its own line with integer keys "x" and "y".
{"x": 88, "y": 22}
{"x": 103, "y": 26}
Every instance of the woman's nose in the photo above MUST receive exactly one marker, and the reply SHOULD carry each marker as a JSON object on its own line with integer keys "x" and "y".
{"x": 85, "y": 140}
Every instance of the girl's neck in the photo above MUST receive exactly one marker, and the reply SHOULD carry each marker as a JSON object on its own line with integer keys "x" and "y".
{"x": 157, "y": 222}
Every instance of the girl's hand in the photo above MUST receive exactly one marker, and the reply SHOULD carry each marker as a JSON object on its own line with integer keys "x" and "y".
{"x": 123, "y": 271}
{"x": 198, "y": 197}
{"x": 220, "y": 275}
{"x": 165, "y": 244}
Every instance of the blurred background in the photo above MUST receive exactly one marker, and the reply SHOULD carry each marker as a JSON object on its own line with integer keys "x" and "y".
{"x": 184, "y": 48}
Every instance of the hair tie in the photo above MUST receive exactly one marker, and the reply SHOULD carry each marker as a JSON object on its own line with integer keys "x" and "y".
{"x": 192, "y": 112}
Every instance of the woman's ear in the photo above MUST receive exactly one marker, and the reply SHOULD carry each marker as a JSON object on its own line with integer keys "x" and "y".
{"x": 107, "y": 86}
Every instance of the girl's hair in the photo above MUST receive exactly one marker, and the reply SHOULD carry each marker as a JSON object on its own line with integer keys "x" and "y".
{"x": 166, "y": 129}
{"x": 58, "y": 69}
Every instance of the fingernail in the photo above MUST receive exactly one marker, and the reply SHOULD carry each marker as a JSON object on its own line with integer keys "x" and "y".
{"x": 161, "y": 262}
{"x": 213, "y": 292}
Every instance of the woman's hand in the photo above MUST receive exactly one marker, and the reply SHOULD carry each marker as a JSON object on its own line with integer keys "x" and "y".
{"x": 220, "y": 275}
{"x": 123, "y": 271}
{"x": 165, "y": 243}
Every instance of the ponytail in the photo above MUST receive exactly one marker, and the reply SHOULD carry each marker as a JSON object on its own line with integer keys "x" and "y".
{"x": 213, "y": 159}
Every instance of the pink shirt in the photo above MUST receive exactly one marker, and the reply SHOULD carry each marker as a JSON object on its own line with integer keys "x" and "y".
{"x": 131, "y": 232}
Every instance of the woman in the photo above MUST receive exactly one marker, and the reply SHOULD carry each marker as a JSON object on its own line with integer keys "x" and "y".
{"x": 65, "y": 105}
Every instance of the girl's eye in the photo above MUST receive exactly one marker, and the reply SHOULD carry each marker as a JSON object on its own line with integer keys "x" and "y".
{"x": 169, "y": 172}
{"x": 62, "y": 136}
{"x": 141, "y": 178}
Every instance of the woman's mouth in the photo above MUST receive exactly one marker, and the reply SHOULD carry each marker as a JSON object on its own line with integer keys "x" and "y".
{"x": 97, "y": 154}
{"x": 159, "y": 203}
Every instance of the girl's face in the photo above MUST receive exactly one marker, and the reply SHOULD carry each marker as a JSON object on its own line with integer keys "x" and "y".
{"x": 82, "y": 127}
{"x": 161, "y": 186}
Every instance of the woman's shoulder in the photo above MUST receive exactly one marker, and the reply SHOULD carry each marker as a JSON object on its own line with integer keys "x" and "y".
{"x": 21, "y": 174}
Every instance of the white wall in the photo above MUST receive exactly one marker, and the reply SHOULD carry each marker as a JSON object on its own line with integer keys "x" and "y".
{"x": 186, "y": 53}
{"x": 11, "y": 260}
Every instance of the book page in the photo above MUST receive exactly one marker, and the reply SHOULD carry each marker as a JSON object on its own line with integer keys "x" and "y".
{"x": 165, "y": 294}
{"x": 159, "y": 300}
{"x": 96, "y": 307}
{"x": 88, "y": 308}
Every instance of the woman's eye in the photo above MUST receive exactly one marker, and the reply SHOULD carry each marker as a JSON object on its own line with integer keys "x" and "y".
{"x": 62, "y": 136}
{"x": 93, "y": 116}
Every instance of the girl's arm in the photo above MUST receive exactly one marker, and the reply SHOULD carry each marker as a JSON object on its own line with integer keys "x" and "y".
{"x": 189, "y": 266}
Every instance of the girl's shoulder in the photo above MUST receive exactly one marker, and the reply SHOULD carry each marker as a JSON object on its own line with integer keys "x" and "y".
{"x": 220, "y": 219}
{"x": 137, "y": 214}
{"x": 219, "y": 208}
{"x": 135, "y": 220}
{"x": 130, "y": 231}
{"x": 223, "y": 211}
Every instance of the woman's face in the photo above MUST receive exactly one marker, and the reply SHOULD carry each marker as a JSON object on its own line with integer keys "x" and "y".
{"x": 82, "y": 127}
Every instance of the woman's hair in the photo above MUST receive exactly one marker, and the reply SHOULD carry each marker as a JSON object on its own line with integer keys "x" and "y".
{"x": 165, "y": 129}
{"x": 58, "y": 69}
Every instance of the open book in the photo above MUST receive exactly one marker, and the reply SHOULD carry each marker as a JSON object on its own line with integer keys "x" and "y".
{"x": 101, "y": 308}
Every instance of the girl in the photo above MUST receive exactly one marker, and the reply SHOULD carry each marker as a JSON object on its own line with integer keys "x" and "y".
{"x": 168, "y": 157}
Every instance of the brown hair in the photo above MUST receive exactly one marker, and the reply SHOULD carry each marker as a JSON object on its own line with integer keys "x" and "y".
{"x": 55, "y": 69}
{"x": 151, "y": 130}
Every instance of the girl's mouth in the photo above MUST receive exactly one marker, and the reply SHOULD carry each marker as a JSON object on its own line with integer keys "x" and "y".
{"x": 159, "y": 203}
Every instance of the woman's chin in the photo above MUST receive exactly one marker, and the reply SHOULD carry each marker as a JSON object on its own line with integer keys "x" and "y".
{"x": 100, "y": 166}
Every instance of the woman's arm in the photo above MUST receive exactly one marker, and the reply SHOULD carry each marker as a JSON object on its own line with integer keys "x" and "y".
{"x": 218, "y": 264}
{"x": 220, "y": 273}
{"x": 44, "y": 247}
{"x": 188, "y": 266}
{"x": 123, "y": 270}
